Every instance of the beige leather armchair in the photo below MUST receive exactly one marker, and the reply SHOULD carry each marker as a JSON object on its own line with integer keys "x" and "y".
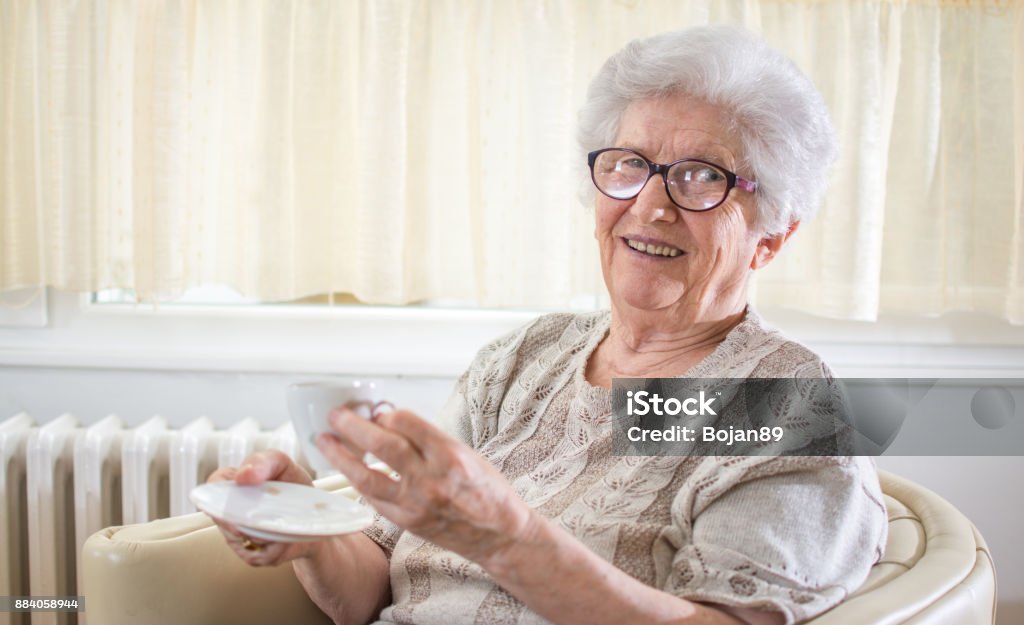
{"x": 936, "y": 570}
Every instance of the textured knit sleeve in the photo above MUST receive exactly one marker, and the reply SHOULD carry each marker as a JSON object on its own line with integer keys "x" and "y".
{"x": 384, "y": 533}
{"x": 794, "y": 535}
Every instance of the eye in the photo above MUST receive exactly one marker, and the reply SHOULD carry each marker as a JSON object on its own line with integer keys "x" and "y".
{"x": 628, "y": 164}
{"x": 707, "y": 174}
{"x": 696, "y": 173}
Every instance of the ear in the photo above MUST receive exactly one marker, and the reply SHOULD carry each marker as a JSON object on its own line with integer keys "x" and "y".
{"x": 769, "y": 246}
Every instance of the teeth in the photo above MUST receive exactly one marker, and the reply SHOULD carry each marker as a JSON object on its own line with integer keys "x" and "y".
{"x": 657, "y": 250}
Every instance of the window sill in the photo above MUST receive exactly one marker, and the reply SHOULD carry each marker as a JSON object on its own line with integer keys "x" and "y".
{"x": 344, "y": 340}
{"x": 440, "y": 342}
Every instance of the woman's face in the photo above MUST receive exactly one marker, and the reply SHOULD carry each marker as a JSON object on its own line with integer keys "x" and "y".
{"x": 716, "y": 248}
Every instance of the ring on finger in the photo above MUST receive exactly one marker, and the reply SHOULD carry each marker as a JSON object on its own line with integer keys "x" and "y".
{"x": 251, "y": 545}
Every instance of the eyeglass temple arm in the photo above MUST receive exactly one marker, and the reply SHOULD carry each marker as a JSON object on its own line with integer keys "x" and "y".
{"x": 747, "y": 185}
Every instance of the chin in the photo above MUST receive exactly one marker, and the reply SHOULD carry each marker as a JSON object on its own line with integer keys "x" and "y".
{"x": 649, "y": 297}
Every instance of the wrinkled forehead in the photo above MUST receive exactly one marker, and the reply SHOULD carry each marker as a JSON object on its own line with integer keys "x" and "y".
{"x": 666, "y": 129}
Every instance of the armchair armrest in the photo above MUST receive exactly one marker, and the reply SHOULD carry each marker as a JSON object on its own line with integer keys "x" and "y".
{"x": 180, "y": 570}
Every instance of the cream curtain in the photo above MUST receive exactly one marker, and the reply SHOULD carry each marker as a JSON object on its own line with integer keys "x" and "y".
{"x": 406, "y": 150}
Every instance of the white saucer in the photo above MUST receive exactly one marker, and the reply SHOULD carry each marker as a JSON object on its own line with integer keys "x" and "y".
{"x": 282, "y": 511}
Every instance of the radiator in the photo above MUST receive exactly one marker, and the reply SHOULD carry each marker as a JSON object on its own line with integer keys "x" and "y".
{"x": 62, "y": 481}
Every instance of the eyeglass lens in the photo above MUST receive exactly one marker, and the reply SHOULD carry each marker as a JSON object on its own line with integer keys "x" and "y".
{"x": 691, "y": 184}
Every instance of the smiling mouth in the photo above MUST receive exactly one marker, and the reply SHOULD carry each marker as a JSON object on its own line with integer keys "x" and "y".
{"x": 652, "y": 249}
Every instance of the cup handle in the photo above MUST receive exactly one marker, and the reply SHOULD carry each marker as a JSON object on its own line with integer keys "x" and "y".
{"x": 378, "y": 409}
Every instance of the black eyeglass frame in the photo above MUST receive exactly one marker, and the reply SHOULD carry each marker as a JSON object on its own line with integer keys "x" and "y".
{"x": 732, "y": 179}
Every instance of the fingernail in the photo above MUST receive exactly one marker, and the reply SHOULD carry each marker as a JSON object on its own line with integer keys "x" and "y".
{"x": 335, "y": 417}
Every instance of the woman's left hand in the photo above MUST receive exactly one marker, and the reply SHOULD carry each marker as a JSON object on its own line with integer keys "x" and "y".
{"x": 447, "y": 493}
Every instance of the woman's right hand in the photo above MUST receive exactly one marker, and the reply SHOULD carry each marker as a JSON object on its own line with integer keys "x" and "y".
{"x": 263, "y": 466}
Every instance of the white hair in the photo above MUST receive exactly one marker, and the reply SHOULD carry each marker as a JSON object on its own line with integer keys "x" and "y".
{"x": 789, "y": 143}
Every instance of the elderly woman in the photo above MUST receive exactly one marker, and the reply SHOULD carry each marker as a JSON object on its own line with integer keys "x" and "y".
{"x": 707, "y": 149}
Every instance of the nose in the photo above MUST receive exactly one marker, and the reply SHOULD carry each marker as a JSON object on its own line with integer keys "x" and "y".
{"x": 653, "y": 204}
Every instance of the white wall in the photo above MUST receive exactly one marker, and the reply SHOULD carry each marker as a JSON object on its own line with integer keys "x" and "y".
{"x": 228, "y": 364}
{"x": 180, "y": 396}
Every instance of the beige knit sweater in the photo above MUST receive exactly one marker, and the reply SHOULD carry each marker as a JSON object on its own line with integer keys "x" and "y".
{"x": 792, "y": 534}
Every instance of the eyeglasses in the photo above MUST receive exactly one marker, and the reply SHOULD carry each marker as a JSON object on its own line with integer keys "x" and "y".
{"x": 691, "y": 184}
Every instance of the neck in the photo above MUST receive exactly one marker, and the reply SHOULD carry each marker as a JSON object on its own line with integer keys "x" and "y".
{"x": 638, "y": 347}
{"x": 665, "y": 342}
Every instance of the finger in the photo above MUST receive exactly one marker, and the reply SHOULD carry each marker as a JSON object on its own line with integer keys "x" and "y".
{"x": 232, "y": 537}
{"x": 253, "y": 545}
{"x": 354, "y": 449}
{"x": 365, "y": 480}
{"x": 270, "y": 464}
{"x": 429, "y": 439}
{"x": 228, "y": 529}
{"x": 222, "y": 474}
{"x": 259, "y": 553}
{"x": 262, "y": 466}
{"x": 255, "y": 552}
{"x": 391, "y": 447}
{"x": 393, "y": 511}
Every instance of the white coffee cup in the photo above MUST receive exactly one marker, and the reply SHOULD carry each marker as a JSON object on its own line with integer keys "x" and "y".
{"x": 310, "y": 403}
